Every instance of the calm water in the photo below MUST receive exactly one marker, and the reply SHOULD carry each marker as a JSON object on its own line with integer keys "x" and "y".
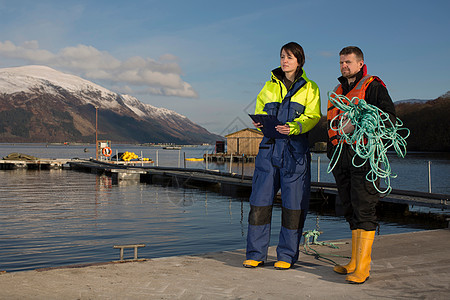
{"x": 61, "y": 217}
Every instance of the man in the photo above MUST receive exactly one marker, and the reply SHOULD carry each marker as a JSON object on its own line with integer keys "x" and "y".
{"x": 358, "y": 196}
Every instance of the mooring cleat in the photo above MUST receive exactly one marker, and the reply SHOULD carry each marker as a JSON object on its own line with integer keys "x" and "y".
{"x": 282, "y": 265}
{"x": 250, "y": 263}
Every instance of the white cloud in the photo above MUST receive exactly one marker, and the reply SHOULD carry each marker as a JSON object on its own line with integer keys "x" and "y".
{"x": 29, "y": 51}
{"x": 135, "y": 74}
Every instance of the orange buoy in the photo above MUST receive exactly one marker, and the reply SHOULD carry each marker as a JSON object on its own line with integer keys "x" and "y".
{"x": 106, "y": 151}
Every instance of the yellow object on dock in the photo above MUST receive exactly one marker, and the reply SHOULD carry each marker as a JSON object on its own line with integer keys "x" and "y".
{"x": 194, "y": 159}
{"x": 128, "y": 156}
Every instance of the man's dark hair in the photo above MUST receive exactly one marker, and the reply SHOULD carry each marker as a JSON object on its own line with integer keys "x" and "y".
{"x": 352, "y": 50}
{"x": 296, "y": 50}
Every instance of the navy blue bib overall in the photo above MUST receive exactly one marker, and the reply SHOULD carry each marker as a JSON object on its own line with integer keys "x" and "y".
{"x": 280, "y": 164}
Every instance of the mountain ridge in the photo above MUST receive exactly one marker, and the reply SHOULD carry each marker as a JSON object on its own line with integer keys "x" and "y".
{"x": 40, "y": 104}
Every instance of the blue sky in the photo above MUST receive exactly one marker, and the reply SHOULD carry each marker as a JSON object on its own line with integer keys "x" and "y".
{"x": 208, "y": 60}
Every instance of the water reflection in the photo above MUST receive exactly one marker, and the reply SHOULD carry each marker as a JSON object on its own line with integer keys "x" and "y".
{"x": 60, "y": 217}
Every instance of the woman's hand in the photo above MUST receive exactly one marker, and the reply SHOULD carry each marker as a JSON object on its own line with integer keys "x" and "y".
{"x": 257, "y": 125}
{"x": 283, "y": 129}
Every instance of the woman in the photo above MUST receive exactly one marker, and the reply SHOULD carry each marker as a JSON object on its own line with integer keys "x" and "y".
{"x": 283, "y": 162}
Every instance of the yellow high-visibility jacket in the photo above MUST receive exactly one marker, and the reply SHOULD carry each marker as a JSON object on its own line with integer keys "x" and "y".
{"x": 304, "y": 96}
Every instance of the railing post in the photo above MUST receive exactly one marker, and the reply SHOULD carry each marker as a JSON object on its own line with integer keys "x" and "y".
{"x": 318, "y": 168}
{"x": 429, "y": 177}
{"x": 243, "y": 156}
{"x": 231, "y": 161}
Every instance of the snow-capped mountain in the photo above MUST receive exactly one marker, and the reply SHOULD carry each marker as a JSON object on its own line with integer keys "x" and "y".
{"x": 40, "y": 104}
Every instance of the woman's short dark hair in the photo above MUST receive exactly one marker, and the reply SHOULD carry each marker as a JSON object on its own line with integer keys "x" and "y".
{"x": 352, "y": 50}
{"x": 296, "y": 50}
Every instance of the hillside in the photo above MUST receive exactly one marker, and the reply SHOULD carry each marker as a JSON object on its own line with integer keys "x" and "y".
{"x": 40, "y": 104}
{"x": 428, "y": 122}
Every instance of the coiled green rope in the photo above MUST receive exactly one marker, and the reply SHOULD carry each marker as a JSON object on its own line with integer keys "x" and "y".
{"x": 373, "y": 136}
{"x": 314, "y": 234}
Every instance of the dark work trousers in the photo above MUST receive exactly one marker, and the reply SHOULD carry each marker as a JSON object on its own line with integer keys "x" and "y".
{"x": 357, "y": 195}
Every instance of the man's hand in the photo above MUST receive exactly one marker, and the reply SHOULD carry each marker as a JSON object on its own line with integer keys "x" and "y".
{"x": 348, "y": 126}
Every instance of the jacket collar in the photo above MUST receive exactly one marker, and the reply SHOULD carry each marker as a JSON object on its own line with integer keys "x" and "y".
{"x": 279, "y": 74}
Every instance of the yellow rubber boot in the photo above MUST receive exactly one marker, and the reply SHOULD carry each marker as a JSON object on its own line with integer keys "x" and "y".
{"x": 363, "y": 257}
{"x": 250, "y": 263}
{"x": 282, "y": 265}
{"x": 351, "y": 266}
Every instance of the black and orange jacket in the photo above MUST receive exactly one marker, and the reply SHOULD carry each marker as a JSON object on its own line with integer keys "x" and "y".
{"x": 367, "y": 87}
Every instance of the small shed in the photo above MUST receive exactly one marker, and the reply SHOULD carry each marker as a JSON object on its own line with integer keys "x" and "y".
{"x": 245, "y": 141}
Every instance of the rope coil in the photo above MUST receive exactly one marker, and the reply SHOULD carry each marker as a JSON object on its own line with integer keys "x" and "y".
{"x": 314, "y": 234}
{"x": 374, "y": 134}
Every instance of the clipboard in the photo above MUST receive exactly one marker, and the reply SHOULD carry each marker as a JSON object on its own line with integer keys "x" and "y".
{"x": 269, "y": 122}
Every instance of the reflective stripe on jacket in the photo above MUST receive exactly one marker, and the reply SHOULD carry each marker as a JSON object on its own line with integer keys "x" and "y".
{"x": 304, "y": 96}
{"x": 358, "y": 91}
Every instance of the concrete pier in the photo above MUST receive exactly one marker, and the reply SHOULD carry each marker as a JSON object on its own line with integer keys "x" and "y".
{"x": 118, "y": 175}
{"x": 404, "y": 266}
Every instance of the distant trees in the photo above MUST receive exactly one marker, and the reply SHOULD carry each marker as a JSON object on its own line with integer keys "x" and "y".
{"x": 16, "y": 121}
{"x": 429, "y": 124}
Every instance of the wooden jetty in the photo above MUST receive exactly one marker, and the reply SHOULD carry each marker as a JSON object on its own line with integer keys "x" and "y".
{"x": 235, "y": 184}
